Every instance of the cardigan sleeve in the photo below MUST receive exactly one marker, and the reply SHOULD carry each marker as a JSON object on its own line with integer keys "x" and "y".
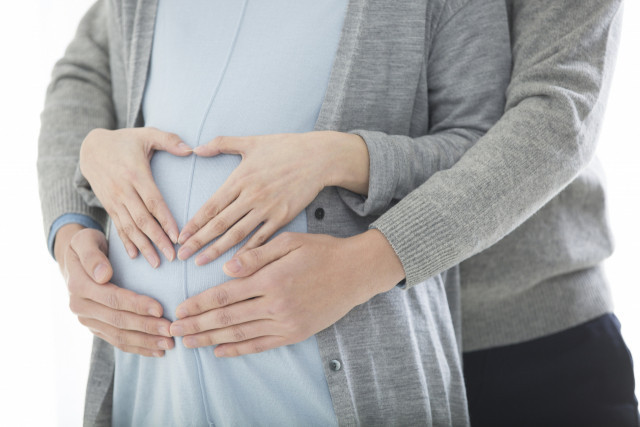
{"x": 78, "y": 100}
{"x": 564, "y": 55}
{"x": 466, "y": 68}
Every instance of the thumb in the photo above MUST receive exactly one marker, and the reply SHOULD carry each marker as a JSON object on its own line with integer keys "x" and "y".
{"x": 221, "y": 144}
{"x": 249, "y": 261}
{"x": 91, "y": 247}
{"x": 169, "y": 142}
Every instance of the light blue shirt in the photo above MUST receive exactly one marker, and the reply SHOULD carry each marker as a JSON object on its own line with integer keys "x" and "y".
{"x": 224, "y": 68}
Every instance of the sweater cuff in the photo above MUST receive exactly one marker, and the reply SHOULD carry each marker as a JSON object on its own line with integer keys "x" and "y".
{"x": 71, "y": 218}
{"x": 421, "y": 259}
{"x": 59, "y": 198}
{"x": 384, "y": 174}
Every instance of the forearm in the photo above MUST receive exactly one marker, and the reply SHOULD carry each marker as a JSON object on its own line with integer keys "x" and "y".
{"x": 460, "y": 95}
{"x": 555, "y": 106}
{"x": 78, "y": 100}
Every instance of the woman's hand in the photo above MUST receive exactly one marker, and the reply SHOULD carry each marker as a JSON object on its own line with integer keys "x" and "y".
{"x": 288, "y": 289}
{"x": 117, "y": 165}
{"x": 278, "y": 177}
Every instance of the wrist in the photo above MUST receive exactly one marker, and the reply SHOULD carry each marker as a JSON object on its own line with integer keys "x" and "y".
{"x": 380, "y": 266}
{"x": 348, "y": 165}
{"x": 63, "y": 239}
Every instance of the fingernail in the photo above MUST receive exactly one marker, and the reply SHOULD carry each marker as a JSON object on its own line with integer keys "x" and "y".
{"x": 158, "y": 354}
{"x": 183, "y": 238}
{"x": 154, "y": 312}
{"x": 181, "y": 313}
{"x": 164, "y": 331}
{"x": 132, "y": 252}
{"x": 189, "y": 342}
{"x": 163, "y": 344}
{"x": 185, "y": 252}
{"x": 219, "y": 352}
{"x": 184, "y": 147}
{"x": 100, "y": 272}
{"x": 153, "y": 259}
{"x": 202, "y": 259}
{"x": 233, "y": 265}
{"x": 173, "y": 236}
{"x": 177, "y": 330}
{"x": 168, "y": 253}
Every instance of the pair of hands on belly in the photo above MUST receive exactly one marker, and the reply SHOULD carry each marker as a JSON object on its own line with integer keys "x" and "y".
{"x": 286, "y": 290}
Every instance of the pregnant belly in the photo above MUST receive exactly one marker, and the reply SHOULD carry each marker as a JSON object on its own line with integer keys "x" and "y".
{"x": 186, "y": 184}
{"x": 280, "y": 385}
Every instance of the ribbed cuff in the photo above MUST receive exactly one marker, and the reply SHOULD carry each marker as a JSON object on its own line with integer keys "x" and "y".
{"x": 421, "y": 258}
{"x": 60, "y": 198}
{"x": 384, "y": 169}
{"x": 71, "y": 218}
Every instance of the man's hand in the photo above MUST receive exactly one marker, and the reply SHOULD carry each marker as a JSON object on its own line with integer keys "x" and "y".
{"x": 129, "y": 321}
{"x": 289, "y": 289}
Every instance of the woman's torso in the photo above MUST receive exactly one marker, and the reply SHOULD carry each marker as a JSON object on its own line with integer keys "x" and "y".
{"x": 224, "y": 68}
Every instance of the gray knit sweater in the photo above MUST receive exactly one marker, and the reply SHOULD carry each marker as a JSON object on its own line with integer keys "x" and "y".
{"x": 534, "y": 166}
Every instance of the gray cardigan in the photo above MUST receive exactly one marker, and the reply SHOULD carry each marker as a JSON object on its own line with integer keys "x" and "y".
{"x": 431, "y": 73}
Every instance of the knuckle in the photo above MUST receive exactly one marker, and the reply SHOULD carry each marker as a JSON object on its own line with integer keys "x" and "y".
{"x": 152, "y": 204}
{"x": 257, "y": 347}
{"x": 224, "y": 318}
{"x": 220, "y": 225}
{"x": 113, "y": 301}
{"x": 211, "y": 210}
{"x": 117, "y": 320}
{"x": 260, "y": 238}
{"x": 158, "y": 235}
{"x": 196, "y": 242}
{"x": 238, "y": 333}
{"x": 256, "y": 256}
{"x": 139, "y": 304}
{"x": 194, "y": 326}
{"x": 220, "y": 298}
{"x": 121, "y": 339}
{"x": 164, "y": 222}
{"x": 127, "y": 229}
{"x": 213, "y": 252}
{"x": 149, "y": 342}
{"x": 237, "y": 234}
{"x": 148, "y": 327}
{"x": 142, "y": 220}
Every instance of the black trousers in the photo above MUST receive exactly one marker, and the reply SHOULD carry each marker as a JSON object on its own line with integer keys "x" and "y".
{"x": 582, "y": 376}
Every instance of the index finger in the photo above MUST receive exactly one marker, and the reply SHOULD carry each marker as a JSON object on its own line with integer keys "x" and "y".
{"x": 108, "y": 294}
{"x": 219, "y": 296}
{"x": 118, "y": 298}
{"x": 154, "y": 202}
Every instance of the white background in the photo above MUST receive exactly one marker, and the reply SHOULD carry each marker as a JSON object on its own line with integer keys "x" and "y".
{"x": 45, "y": 351}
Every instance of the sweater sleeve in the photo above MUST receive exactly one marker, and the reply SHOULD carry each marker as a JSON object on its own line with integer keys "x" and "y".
{"x": 78, "y": 100}
{"x": 564, "y": 55}
{"x": 467, "y": 67}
